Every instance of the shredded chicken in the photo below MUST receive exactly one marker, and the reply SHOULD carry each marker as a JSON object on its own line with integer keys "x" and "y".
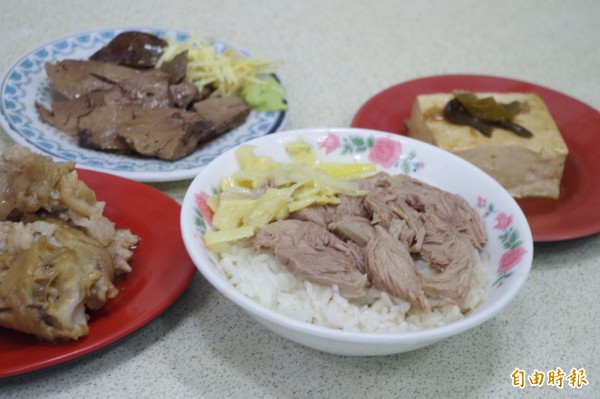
{"x": 379, "y": 236}
{"x": 300, "y": 245}
{"x": 391, "y": 268}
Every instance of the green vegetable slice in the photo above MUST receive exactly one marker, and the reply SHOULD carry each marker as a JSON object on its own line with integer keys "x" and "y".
{"x": 484, "y": 113}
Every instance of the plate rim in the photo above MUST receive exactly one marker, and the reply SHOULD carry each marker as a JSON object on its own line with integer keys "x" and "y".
{"x": 540, "y": 234}
{"x": 176, "y": 174}
{"x": 77, "y": 349}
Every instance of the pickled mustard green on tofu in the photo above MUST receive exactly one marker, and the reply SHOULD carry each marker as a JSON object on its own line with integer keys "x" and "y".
{"x": 264, "y": 190}
{"x": 484, "y": 114}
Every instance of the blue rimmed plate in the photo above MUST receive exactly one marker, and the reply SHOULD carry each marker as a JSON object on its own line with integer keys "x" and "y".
{"x": 25, "y": 83}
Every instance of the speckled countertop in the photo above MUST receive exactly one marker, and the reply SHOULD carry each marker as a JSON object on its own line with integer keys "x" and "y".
{"x": 336, "y": 55}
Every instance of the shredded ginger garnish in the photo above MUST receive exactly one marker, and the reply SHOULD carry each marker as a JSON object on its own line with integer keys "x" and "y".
{"x": 228, "y": 72}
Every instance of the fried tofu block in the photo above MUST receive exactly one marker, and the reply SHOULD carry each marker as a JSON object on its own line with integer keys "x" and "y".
{"x": 526, "y": 167}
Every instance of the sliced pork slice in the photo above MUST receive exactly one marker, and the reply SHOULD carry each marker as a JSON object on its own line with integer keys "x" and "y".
{"x": 75, "y": 78}
{"x": 377, "y": 204}
{"x": 359, "y": 255}
{"x": 379, "y": 179}
{"x": 452, "y": 284}
{"x": 441, "y": 243}
{"x": 350, "y": 206}
{"x": 106, "y": 140}
{"x": 390, "y": 210}
{"x": 410, "y": 234}
{"x": 65, "y": 114}
{"x": 391, "y": 268}
{"x": 225, "y": 113}
{"x": 318, "y": 214}
{"x": 456, "y": 210}
{"x": 176, "y": 68}
{"x": 166, "y": 133}
{"x": 98, "y": 128}
{"x": 324, "y": 215}
{"x": 450, "y": 207}
{"x": 184, "y": 94}
{"x": 312, "y": 253}
{"x": 132, "y": 48}
{"x": 355, "y": 228}
{"x": 452, "y": 253}
{"x": 149, "y": 88}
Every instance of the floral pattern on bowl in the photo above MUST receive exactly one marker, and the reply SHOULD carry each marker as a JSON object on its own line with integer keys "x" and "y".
{"x": 383, "y": 151}
{"x": 26, "y": 82}
{"x": 388, "y": 154}
{"x": 509, "y": 237}
{"x": 507, "y": 256}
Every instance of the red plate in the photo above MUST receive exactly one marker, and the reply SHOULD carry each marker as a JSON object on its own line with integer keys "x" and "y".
{"x": 576, "y": 213}
{"x": 161, "y": 272}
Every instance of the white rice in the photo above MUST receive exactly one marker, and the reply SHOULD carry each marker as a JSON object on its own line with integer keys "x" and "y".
{"x": 260, "y": 277}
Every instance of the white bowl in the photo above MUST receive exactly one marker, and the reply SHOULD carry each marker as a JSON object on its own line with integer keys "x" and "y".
{"x": 510, "y": 245}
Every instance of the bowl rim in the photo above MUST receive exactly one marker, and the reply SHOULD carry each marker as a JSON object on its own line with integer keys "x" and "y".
{"x": 410, "y": 337}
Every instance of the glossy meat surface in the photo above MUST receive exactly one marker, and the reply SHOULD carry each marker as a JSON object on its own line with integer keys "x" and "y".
{"x": 59, "y": 255}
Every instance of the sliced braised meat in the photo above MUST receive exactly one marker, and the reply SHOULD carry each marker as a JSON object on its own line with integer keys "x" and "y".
{"x": 64, "y": 114}
{"x": 456, "y": 210}
{"x": 149, "y": 88}
{"x": 312, "y": 253}
{"x": 379, "y": 179}
{"x": 449, "y": 207}
{"x": 165, "y": 133}
{"x": 324, "y": 215}
{"x": 98, "y": 128}
{"x": 134, "y": 49}
{"x": 391, "y": 268}
{"x": 176, "y": 68}
{"x": 127, "y": 64}
{"x": 350, "y": 206}
{"x": 225, "y": 113}
{"x": 184, "y": 94}
{"x": 376, "y": 202}
{"x": 355, "y": 228}
{"x": 400, "y": 219}
{"x": 389, "y": 210}
{"x": 359, "y": 255}
{"x": 204, "y": 93}
{"x": 454, "y": 253}
{"x": 441, "y": 243}
{"x": 74, "y": 78}
{"x": 318, "y": 214}
{"x": 105, "y": 139}
{"x": 412, "y": 235}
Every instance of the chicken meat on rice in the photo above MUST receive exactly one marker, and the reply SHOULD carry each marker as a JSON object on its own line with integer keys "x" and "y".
{"x": 400, "y": 256}
{"x": 59, "y": 255}
{"x": 399, "y": 221}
